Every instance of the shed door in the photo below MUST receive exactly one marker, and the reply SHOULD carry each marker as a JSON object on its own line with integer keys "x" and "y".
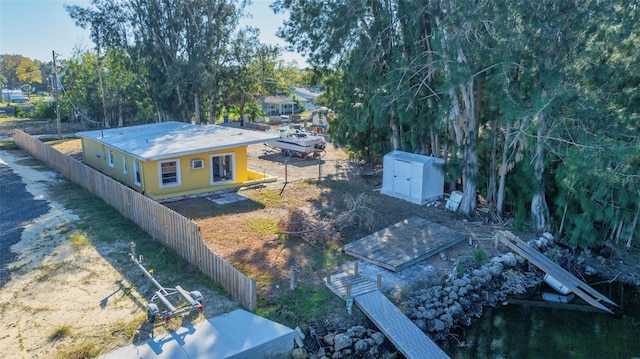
{"x": 402, "y": 178}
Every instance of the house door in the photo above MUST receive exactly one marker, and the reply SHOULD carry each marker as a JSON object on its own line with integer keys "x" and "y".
{"x": 222, "y": 168}
{"x": 402, "y": 177}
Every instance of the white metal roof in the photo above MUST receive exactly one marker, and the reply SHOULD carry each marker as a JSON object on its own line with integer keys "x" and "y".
{"x": 162, "y": 140}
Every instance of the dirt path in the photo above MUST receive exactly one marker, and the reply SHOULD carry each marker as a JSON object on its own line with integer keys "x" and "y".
{"x": 60, "y": 293}
{"x": 57, "y": 291}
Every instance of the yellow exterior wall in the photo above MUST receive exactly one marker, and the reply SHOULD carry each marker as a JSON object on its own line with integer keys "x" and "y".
{"x": 192, "y": 181}
{"x": 96, "y": 155}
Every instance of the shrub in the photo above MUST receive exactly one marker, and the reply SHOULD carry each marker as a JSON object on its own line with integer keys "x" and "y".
{"x": 45, "y": 109}
{"x": 479, "y": 256}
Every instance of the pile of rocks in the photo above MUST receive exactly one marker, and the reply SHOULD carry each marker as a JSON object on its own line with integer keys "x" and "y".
{"x": 355, "y": 342}
{"x": 438, "y": 309}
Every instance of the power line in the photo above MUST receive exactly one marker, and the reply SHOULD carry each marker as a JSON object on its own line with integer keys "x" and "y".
{"x": 58, "y": 84}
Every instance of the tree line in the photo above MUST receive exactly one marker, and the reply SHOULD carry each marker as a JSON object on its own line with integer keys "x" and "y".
{"x": 18, "y": 72}
{"x": 158, "y": 60}
{"x": 533, "y": 103}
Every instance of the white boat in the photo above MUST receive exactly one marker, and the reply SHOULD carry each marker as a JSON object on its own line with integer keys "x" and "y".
{"x": 297, "y": 142}
{"x": 555, "y": 284}
{"x": 557, "y": 298}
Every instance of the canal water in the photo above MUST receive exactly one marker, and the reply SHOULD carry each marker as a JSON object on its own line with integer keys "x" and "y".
{"x": 524, "y": 331}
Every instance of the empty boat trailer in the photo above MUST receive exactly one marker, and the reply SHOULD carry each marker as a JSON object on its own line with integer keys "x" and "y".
{"x": 183, "y": 301}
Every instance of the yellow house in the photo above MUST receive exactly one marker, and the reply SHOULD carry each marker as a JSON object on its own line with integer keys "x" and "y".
{"x": 174, "y": 159}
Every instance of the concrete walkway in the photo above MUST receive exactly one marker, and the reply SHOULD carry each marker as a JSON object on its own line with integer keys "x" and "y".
{"x": 406, "y": 336}
{"x": 238, "y": 334}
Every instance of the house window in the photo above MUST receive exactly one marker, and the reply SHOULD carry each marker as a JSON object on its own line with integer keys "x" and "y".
{"x": 169, "y": 173}
{"x": 222, "y": 168}
{"x": 125, "y": 170}
{"x": 111, "y": 160}
{"x": 137, "y": 175}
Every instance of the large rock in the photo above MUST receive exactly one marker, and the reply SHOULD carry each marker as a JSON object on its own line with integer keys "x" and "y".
{"x": 299, "y": 353}
{"x": 361, "y": 346}
{"x": 356, "y": 332}
{"x": 509, "y": 259}
{"x": 436, "y": 325}
{"x": 496, "y": 269}
{"x": 430, "y": 314}
{"x": 342, "y": 341}
{"x": 461, "y": 282}
{"x": 378, "y": 337}
{"x": 328, "y": 339}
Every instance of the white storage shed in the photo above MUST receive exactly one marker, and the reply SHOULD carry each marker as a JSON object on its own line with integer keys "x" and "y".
{"x": 415, "y": 178}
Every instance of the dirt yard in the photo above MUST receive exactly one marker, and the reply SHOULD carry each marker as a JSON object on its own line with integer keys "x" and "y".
{"x": 302, "y": 225}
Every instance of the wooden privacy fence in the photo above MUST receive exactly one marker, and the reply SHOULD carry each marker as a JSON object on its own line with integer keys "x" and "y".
{"x": 161, "y": 223}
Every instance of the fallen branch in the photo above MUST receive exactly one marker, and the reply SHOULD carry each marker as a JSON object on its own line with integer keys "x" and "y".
{"x": 607, "y": 281}
{"x": 357, "y": 212}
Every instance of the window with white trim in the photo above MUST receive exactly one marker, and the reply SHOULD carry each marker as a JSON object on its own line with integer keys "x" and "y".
{"x": 137, "y": 174}
{"x": 125, "y": 170}
{"x": 169, "y": 173}
{"x": 222, "y": 168}
{"x": 112, "y": 162}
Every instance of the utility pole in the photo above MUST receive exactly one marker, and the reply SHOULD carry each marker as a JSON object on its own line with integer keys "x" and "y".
{"x": 55, "y": 91}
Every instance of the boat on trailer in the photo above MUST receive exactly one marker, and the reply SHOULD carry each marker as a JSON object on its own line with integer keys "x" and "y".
{"x": 294, "y": 141}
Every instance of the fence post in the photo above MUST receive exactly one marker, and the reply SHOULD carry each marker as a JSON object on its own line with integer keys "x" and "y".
{"x": 286, "y": 167}
{"x": 294, "y": 279}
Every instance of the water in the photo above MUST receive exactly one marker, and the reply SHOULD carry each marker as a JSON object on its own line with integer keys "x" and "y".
{"x": 520, "y": 332}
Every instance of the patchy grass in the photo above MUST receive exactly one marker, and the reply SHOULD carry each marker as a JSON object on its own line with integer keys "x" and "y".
{"x": 60, "y": 333}
{"x": 99, "y": 220}
{"x": 50, "y": 270}
{"x": 8, "y": 145}
{"x": 68, "y": 146}
{"x": 89, "y": 348}
{"x": 79, "y": 239}
{"x": 301, "y": 306}
{"x": 263, "y": 226}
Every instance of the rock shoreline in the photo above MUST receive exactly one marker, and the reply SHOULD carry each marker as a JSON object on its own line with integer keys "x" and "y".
{"x": 454, "y": 301}
{"x": 440, "y": 308}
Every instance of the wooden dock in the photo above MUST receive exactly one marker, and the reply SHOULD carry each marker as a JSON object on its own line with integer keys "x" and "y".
{"x": 412, "y": 342}
{"x": 345, "y": 285}
{"x": 404, "y": 243}
{"x": 550, "y": 267}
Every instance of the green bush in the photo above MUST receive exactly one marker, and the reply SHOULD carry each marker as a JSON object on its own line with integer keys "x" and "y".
{"x": 45, "y": 109}
{"x": 19, "y": 112}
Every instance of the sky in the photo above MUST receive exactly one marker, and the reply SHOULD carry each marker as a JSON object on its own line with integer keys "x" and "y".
{"x": 36, "y": 28}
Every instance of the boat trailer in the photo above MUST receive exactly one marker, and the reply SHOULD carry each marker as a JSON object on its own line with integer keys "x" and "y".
{"x": 183, "y": 302}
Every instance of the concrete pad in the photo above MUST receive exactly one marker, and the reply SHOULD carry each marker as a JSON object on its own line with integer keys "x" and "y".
{"x": 226, "y": 198}
{"x": 238, "y": 334}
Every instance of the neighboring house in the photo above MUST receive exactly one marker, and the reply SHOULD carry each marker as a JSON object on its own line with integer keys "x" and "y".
{"x": 278, "y": 105}
{"x": 174, "y": 159}
{"x": 307, "y": 96}
{"x": 14, "y": 96}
